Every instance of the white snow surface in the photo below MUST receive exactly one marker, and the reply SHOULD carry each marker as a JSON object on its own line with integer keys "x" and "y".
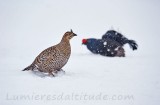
{"x": 29, "y": 26}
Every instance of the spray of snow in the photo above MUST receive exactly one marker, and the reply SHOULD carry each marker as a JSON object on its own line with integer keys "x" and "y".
{"x": 105, "y": 43}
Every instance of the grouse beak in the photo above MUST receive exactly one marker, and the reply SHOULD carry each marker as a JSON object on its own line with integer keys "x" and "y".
{"x": 74, "y": 34}
{"x": 83, "y": 43}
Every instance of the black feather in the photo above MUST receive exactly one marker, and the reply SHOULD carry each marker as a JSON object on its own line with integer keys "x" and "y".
{"x": 118, "y": 37}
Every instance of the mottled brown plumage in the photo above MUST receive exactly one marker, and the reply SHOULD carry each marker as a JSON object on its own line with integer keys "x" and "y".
{"x": 55, "y": 57}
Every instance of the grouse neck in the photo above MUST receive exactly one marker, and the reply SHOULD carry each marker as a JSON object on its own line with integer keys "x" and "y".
{"x": 65, "y": 41}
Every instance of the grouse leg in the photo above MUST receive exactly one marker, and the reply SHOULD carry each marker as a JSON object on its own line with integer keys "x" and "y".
{"x": 62, "y": 70}
{"x": 50, "y": 73}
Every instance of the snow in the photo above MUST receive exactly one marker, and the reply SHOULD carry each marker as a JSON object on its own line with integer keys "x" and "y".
{"x": 116, "y": 48}
{"x": 30, "y": 26}
{"x": 108, "y": 50}
{"x": 105, "y": 43}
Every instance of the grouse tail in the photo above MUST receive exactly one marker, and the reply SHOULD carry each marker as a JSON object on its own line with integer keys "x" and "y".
{"x": 31, "y": 67}
{"x": 133, "y": 44}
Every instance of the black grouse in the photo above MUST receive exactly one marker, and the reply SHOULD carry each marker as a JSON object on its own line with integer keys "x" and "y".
{"x": 105, "y": 47}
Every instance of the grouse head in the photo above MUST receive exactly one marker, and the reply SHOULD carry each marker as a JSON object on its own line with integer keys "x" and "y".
{"x": 88, "y": 41}
{"x": 68, "y": 35}
{"x": 84, "y": 41}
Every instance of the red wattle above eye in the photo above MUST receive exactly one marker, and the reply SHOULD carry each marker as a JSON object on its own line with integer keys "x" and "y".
{"x": 84, "y": 41}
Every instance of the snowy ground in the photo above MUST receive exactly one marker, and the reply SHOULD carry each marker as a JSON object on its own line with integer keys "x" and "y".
{"x": 28, "y": 27}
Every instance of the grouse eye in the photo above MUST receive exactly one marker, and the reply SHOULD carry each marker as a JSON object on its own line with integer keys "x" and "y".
{"x": 70, "y": 36}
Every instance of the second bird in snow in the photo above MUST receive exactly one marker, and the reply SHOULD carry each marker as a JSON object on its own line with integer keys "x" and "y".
{"x": 111, "y": 44}
{"x": 105, "y": 47}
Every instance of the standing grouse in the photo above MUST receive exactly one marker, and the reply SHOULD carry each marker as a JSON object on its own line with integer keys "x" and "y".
{"x": 116, "y": 36}
{"x": 55, "y": 57}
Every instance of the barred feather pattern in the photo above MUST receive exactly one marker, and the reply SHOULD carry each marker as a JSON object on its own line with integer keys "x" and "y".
{"x": 55, "y": 57}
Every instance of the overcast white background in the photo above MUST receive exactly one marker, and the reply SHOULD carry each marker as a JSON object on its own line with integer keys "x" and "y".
{"x": 29, "y": 26}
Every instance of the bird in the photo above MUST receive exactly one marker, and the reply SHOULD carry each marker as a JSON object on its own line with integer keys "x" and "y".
{"x": 105, "y": 47}
{"x": 52, "y": 59}
{"x": 116, "y": 36}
